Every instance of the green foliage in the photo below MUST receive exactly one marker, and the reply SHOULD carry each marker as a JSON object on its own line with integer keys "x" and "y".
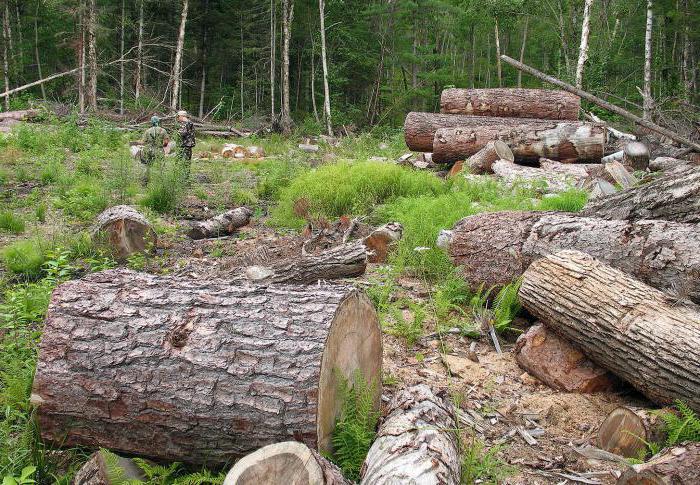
{"x": 40, "y": 212}
{"x": 506, "y": 306}
{"x": 166, "y": 187}
{"x": 410, "y": 329}
{"x": 484, "y": 465}
{"x": 84, "y": 200}
{"x": 11, "y": 223}
{"x": 25, "y": 258}
{"x": 356, "y": 427}
{"x": 23, "y": 479}
{"x": 276, "y": 174}
{"x": 680, "y": 426}
{"x": 570, "y": 201}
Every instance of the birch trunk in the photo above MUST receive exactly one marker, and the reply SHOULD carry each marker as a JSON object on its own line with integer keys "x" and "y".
{"x": 498, "y": 55}
{"x": 81, "y": 56}
{"x": 177, "y": 65}
{"x": 648, "y": 103}
{"x": 122, "y": 65}
{"x": 36, "y": 47}
{"x": 273, "y": 56}
{"x": 5, "y": 54}
{"x": 287, "y": 18}
{"x": 324, "y": 60}
{"x": 139, "y": 55}
{"x": 92, "y": 55}
{"x": 583, "y": 48}
{"x": 522, "y": 50}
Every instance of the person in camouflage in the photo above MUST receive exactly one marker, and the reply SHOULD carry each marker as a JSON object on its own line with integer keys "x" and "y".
{"x": 187, "y": 141}
{"x": 154, "y": 142}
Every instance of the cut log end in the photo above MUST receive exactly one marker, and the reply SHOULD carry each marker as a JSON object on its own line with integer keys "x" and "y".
{"x": 124, "y": 231}
{"x": 623, "y": 433}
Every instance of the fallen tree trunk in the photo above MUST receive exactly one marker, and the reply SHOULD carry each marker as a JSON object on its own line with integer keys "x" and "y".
{"x": 285, "y": 463}
{"x": 124, "y": 231}
{"x": 625, "y": 431}
{"x": 198, "y": 371}
{"x": 512, "y": 173}
{"x": 496, "y": 248}
{"x": 675, "y": 196}
{"x": 221, "y": 225}
{"x": 559, "y": 364}
{"x": 632, "y": 329}
{"x": 456, "y": 137}
{"x": 672, "y": 466}
{"x": 22, "y": 115}
{"x": 482, "y": 161}
{"x": 234, "y": 151}
{"x": 546, "y": 104}
{"x": 416, "y": 443}
{"x": 666, "y": 164}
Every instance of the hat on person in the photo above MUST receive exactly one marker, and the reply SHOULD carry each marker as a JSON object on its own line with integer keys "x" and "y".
{"x": 155, "y": 121}
{"x": 182, "y": 113}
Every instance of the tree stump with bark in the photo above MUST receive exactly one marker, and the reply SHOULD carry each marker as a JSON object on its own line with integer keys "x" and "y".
{"x": 672, "y": 466}
{"x": 286, "y": 463}
{"x": 623, "y": 325}
{"x": 416, "y": 442}
{"x": 495, "y": 248}
{"x": 221, "y": 225}
{"x": 200, "y": 372}
{"x": 635, "y": 156}
{"x": 625, "y": 431}
{"x": 542, "y": 104}
{"x": 124, "y": 231}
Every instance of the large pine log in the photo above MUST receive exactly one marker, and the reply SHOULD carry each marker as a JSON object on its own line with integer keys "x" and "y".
{"x": 679, "y": 465}
{"x": 495, "y": 248}
{"x": 456, "y": 137}
{"x": 416, "y": 443}
{"x": 221, "y": 225}
{"x": 198, "y": 371}
{"x": 286, "y": 463}
{"x": 124, "y": 231}
{"x": 632, "y": 329}
{"x": 549, "y": 182}
{"x": 674, "y": 196}
{"x": 511, "y": 102}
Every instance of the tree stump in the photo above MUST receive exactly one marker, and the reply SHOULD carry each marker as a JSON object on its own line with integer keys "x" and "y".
{"x": 542, "y": 104}
{"x": 416, "y": 442}
{"x": 222, "y": 225}
{"x": 635, "y": 156}
{"x": 200, "y": 372}
{"x": 124, "y": 231}
{"x": 635, "y": 331}
{"x": 673, "y": 466}
{"x": 625, "y": 431}
{"x": 287, "y": 463}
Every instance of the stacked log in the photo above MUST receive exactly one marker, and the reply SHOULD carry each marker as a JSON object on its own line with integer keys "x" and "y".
{"x": 546, "y": 104}
{"x": 200, "y": 372}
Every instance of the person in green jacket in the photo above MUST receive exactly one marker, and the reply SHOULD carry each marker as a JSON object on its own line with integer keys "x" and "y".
{"x": 155, "y": 139}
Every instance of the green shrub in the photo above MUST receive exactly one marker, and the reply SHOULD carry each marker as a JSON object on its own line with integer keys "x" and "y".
{"x": 25, "y": 258}
{"x": 570, "y": 201}
{"x": 506, "y": 306}
{"x": 40, "y": 212}
{"x": 166, "y": 187}
{"x": 480, "y": 465}
{"x": 11, "y": 223}
{"x": 680, "y": 426}
{"x": 84, "y": 200}
{"x": 276, "y": 174}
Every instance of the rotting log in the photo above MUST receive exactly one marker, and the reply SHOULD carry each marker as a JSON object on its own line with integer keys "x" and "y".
{"x": 635, "y": 331}
{"x": 201, "y": 372}
{"x": 124, "y": 231}
{"x": 496, "y": 248}
{"x": 416, "y": 442}
{"x": 221, "y": 225}
{"x": 482, "y": 161}
{"x": 559, "y": 364}
{"x": 102, "y": 469}
{"x": 674, "y": 196}
{"x": 635, "y": 156}
{"x": 546, "y": 104}
{"x": 286, "y": 463}
{"x": 625, "y": 431}
{"x": 672, "y": 466}
{"x": 512, "y": 173}
{"x": 666, "y": 164}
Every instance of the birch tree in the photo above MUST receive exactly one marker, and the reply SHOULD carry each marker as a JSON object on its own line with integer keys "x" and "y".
{"x": 583, "y": 48}
{"x": 287, "y": 18}
{"x": 177, "y": 65}
{"x": 647, "y": 101}
{"x": 36, "y": 47}
{"x": 326, "y": 90}
{"x": 139, "y": 54}
{"x": 92, "y": 55}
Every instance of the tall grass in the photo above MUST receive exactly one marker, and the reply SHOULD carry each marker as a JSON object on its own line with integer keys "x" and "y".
{"x": 11, "y": 223}
{"x": 166, "y": 187}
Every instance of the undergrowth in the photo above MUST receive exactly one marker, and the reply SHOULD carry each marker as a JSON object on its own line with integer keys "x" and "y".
{"x": 482, "y": 465}
{"x": 11, "y": 223}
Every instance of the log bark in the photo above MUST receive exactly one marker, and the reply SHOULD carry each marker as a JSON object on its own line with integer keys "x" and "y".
{"x": 22, "y": 115}
{"x": 511, "y": 103}
{"x": 124, "y": 231}
{"x": 665, "y": 164}
{"x": 675, "y": 196}
{"x": 625, "y": 431}
{"x": 198, "y": 371}
{"x": 482, "y": 161}
{"x": 512, "y": 173}
{"x": 285, "y": 463}
{"x": 108, "y": 469}
{"x": 416, "y": 443}
{"x": 496, "y": 248}
{"x": 620, "y": 323}
{"x": 559, "y": 364}
{"x": 635, "y": 156}
{"x": 582, "y": 173}
{"x": 221, "y": 225}
{"x": 673, "y": 466}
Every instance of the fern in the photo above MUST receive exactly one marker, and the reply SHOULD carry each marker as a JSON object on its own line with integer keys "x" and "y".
{"x": 356, "y": 428}
{"x": 680, "y": 427}
{"x": 113, "y": 470}
{"x": 506, "y": 306}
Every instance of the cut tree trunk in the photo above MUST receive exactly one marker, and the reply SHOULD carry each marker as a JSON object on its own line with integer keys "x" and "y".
{"x": 222, "y": 225}
{"x": 124, "y": 231}
{"x": 381, "y": 240}
{"x": 512, "y": 173}
{"x": 482, "y": 161}
{"x": 626, "y": 431}
{"x": 635, "y": 156}
{"x": 620, "y": 175}
{"x": 101, "y": 469}
{"x": 232, "y": 150}
{"x": 666, "y": 164}
{"x": 672, "y": 466}
{"x": 582, "y": 173}
{"x": 559, "y": 364}
{"x": 544, "y": 104}
{"x": 496, "y": 248}
{"x": 416, "y": 442}
{"x": 200, "y": 372}
{"x": 286, "y": 463}
{"x": 22, "y": 115}
{"x": 675, "y": 196}
{"x": 620, "y": 323}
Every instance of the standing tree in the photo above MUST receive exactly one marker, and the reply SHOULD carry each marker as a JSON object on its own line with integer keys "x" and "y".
{"x": 583, "y": 48}
{"x": 177, "y": 65}
{"x": 121, "y": 57}
{"x": 139, "y": 55}
{"x": 648, "y": 102}
{"x": 326, "y": 90}
{"x": 92, "y": 55}
{"x": 273, "y": 56}
{"x": 5, "y": 54}
{"x": 36, "y": 47}
{"x": 287, "y": 18}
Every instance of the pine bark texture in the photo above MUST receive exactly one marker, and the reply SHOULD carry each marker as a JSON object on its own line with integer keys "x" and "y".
{"x": 200, "y": 372}
{"x": 672, "y": 466}
{"x": 675, "y": 196}
{"x": 416, "y": 442}
{"x": 544, "y": 104}
{"x": 221, "y": 225}
{"x": 512, "y": 173}
{"x": 620, "y": 323}
{"x": 124, "y": 231}
{"x": 456, "y": 137}
{"x": 481, "y": 161}
{"x": 496, "y": 248}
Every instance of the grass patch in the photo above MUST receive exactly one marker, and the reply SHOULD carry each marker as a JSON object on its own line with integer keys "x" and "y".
{"x": 9, "y": 222}
{"x": 166, "y": 187}
{"x": 572, "y": 200}
{"x": 482, "y": 465}
{"x": 25, "y": 258}
{"x": 84, "y": 200}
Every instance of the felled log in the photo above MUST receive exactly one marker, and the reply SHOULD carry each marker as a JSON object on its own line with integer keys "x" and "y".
{"x": 457, "y": 137}
{"x": 496, "y": 248}
{"x": 416, "y": 443}
{"x": 559, "y": 364}
{"x": 512, "y": 173}
{"x": 256, "y": 152}
{"x": 578, "y": 171}
{"x": 625, "y": 431}
{"x": 482, "y": 161}
{"x": 200, "y": 372}
{"x": 546, "y": 104}
{"x": 620, "y": 323}
{"x": 664, "y": 164}
{"x": 309, "y": 148}
{"x": 234, "y": 151}
{"x": 22, "y": 115}
{"x": 124, "y": 231}
{"x": 221, "y": 225}
{"x": 613, "y": 157}
{"x": 620, "y": 175}
{"x": 672, "y": 466}
{"x": 635, "y": 156}
{"x": 675, "y": 196}
{"x": 105, "y": 468}
{"x": 381, "y": 240}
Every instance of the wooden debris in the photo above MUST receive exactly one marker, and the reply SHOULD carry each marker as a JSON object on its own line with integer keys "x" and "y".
{"x": 124, "y": 231}
{"x": 601, "y": 188}
{"x": 672, "y": 466}
{"x": 620, "y": 174}
{"x": 308, "y": 148}
{"x": 221, "y": 225}
{"x": 665, "y": 164}
{"x": 416, "y": 443}
{"x": 255, "y": 152}
{"x": 512, "y": 174}
{"x": 482, "y": 161}
{"x": 382, "y": 240}
{"x": 621, "y": 324}
{"x": 613, "y": 157}
{"x": 625, "y": 431}
{"x": 593, "y": 453}
{"x": 510, "y": 102}
{"x": 150, "y": 355}
{"x": 234, "y": 151}
{"x": 289, "y": 462}
{"x": 636, "y": 156}
{"x": 526, "y": 436}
